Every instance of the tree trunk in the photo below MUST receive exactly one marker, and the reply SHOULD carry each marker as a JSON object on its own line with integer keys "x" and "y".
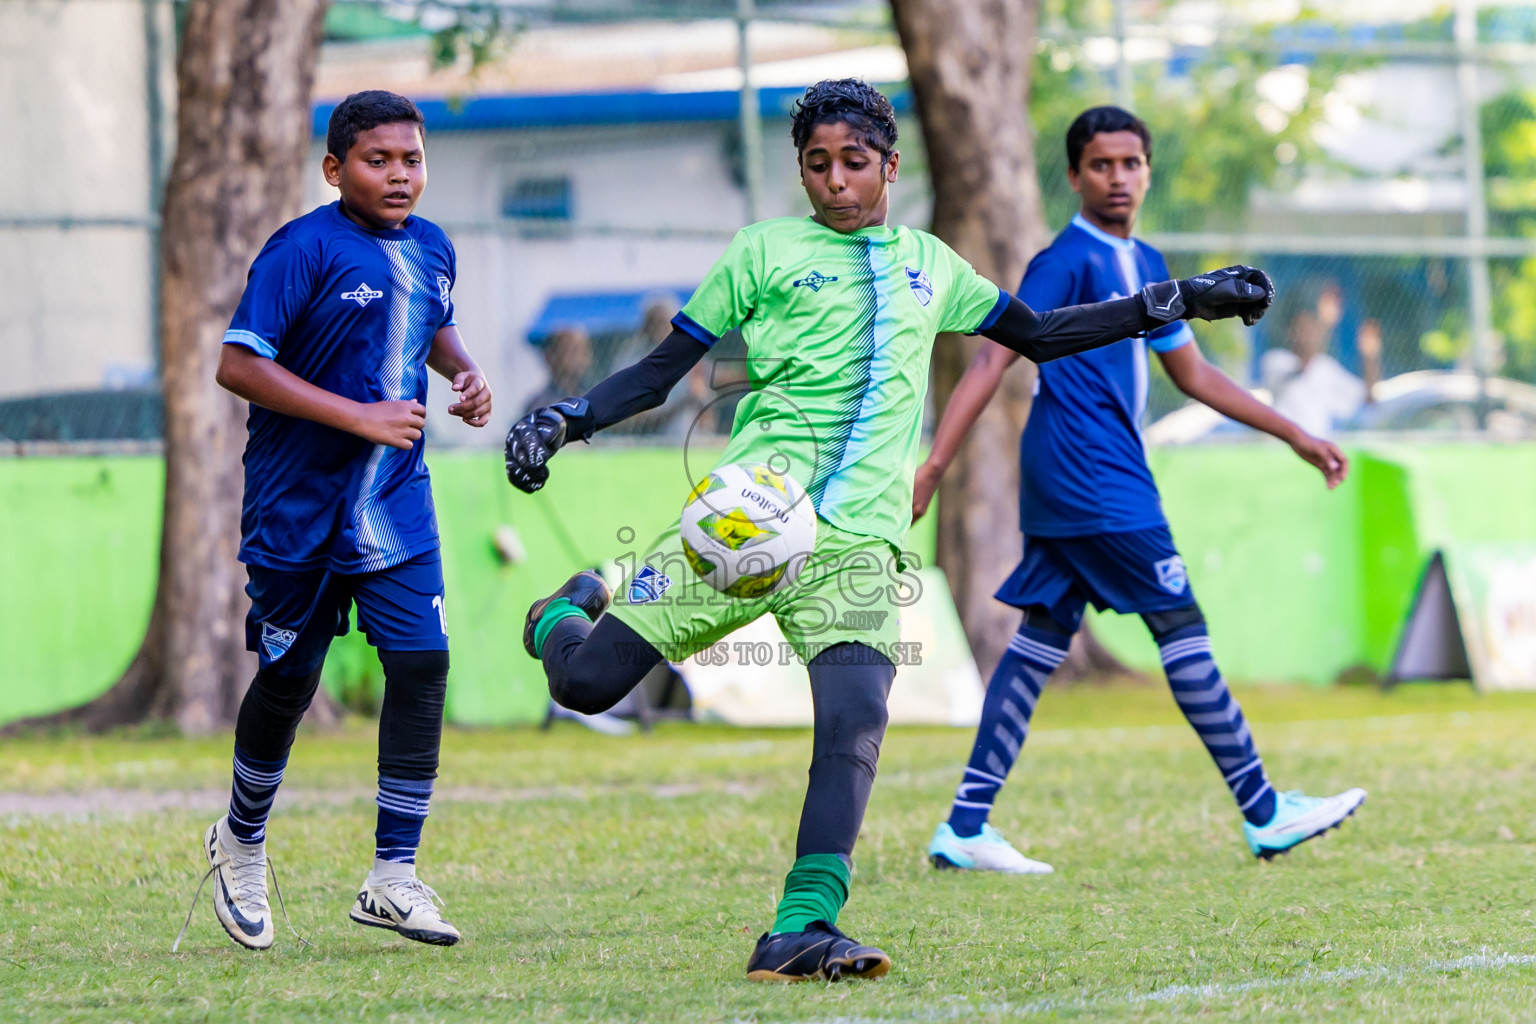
{"x": 244, "y": 75}
{"x": 969, "y": 65}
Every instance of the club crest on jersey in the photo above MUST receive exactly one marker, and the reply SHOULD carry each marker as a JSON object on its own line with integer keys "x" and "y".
{"x": 814, "y": 280}
{"x": 276, "y": 640}
{"x": 921, "y": 286}
{"x": 362, "y": 294}
{"x": 648, "y": 585}
{"x": 444, "y": 289}
{"x": 1171, "y": 575}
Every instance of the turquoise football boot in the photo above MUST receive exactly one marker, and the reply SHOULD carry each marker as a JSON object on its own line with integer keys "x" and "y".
{"x": 986, "y": 851}
{"x": 1299, "y": 817}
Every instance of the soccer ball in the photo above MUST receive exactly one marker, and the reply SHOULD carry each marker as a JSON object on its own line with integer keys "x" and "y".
{"x": 748, "y": 531}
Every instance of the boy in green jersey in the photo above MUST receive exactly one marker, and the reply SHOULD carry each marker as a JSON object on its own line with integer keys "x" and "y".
{"x": 838, "y": 312}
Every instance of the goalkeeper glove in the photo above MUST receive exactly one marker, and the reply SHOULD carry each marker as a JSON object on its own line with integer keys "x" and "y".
{"x": 537, "y": 436}
{"x": 1233, "y": 291}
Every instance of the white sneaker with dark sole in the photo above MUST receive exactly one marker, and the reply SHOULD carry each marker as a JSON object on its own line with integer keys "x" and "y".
{"x": 406, "y": 905}
{"x": 240, "y": 886}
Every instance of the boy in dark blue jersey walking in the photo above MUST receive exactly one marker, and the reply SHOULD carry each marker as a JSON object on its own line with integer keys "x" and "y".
{"x": 1093, "y": 523}
{"x": 344, "y": 310}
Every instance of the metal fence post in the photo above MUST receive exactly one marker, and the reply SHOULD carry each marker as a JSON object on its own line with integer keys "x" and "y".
{"x": 751, "y": 117}
{"x": 1479, "y": 288}
{"x": 1125, "y": 97}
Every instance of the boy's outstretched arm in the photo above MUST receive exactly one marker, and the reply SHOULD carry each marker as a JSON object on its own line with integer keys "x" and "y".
{"x": 450, "y": 358}
{"x": 1215, "y": 295}
{"x": 1197, "y": 378}
{"x": 1235, "y": 291}
{"x": 976, "y": 387}
{"x": 632, "y": 390}
{"x": 262, "y": 381}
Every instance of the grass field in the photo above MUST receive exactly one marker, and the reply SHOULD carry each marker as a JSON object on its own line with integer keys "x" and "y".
{"x": 618, "y": 880}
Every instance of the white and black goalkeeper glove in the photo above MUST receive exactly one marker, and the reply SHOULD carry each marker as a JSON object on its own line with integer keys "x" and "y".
{"x": 1238, "y": 291}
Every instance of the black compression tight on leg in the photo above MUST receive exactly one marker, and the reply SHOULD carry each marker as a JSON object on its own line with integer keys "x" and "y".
{"x": 849, "y": 687}
{"x": 410, "y": 736}
{"x": 411, "y": 720}
{"x": 269, "y": 715}
{"x": 591, "y": 667}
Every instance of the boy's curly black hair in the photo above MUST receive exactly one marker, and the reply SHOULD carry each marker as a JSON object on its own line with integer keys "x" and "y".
{"x": 362, "y": 111}
{"x": 851, "y": 102}
{"x": 1103, "y": 119}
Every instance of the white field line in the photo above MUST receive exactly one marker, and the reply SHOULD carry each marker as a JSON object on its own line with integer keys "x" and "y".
{"x": 959, "y": 1008}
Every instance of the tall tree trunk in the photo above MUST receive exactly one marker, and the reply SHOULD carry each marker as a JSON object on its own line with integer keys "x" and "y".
{"x": 244, "y": 77}
{"x": 969, "y": 65}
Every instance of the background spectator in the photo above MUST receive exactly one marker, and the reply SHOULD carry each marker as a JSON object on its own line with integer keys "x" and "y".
{"x": 1308, "y": 384}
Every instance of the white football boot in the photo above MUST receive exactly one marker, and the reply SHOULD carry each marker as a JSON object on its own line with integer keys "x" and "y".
{"x": 240, "y": 886}
{"x": 987, "y": 851}
{"x": 393, "y": 897}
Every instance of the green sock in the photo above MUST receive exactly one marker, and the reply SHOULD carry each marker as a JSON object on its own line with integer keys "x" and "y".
{"x": 814, "y": 890}
{"x": 559, "y": 608}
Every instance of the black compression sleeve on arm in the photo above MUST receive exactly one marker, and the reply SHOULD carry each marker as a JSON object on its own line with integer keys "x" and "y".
{"x": 646, "y": 384}
{"x": 1041, "y": 337}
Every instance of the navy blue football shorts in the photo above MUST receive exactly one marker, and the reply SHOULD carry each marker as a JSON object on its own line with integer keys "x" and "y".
{"x": 295, "y": 615}
{"x": 1132, "y": 572}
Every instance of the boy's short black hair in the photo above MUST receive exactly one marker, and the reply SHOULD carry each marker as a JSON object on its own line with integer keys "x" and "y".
{"x": 364, "y": 110}
{"x": 1103, "y": 119}
{"x": 848, "y": 101}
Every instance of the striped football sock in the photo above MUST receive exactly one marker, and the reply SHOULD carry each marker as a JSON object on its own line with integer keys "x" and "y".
{"x": 403, "y": 806}
{"x": 1210, "y": 707}
{"x": 250, "y": 798}
{"x": 1032, "y": 655}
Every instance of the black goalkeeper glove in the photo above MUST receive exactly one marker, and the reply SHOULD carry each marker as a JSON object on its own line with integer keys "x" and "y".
{"x": 1233, "y": 291}
{"x": 537, "y": 436}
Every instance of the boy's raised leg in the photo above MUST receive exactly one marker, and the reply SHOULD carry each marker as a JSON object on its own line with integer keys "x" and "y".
{"x": 236, "y": 844}
{"x": 591, "y": 660}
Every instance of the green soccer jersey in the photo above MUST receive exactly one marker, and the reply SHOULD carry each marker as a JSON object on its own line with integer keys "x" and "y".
{"x": 838, "y": 330}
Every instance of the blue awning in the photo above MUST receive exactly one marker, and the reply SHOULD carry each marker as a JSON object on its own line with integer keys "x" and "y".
{"x": 535, "y": 110}
{"x": 602, "y": 312}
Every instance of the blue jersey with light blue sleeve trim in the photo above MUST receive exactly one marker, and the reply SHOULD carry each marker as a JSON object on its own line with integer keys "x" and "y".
{"x": 1083, "y": 463}
{"x": 352, "y": 311}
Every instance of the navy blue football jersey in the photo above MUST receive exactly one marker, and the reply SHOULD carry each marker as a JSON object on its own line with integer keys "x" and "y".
{"x": 353, "y": 311}
{"x": 1083, "y": 462}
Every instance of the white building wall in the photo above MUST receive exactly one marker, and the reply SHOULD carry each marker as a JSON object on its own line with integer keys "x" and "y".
{"x": 76, "y": 118}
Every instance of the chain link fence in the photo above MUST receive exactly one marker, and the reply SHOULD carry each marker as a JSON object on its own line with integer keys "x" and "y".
{"x": 591, "y": 159}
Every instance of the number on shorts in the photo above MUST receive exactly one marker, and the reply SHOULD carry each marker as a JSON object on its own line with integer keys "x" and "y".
{"x": 442, "y": 616}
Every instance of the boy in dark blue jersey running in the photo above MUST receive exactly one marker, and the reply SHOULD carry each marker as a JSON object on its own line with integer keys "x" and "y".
{"x": 344, "y": 311}
{"x": 1092, "y": 520}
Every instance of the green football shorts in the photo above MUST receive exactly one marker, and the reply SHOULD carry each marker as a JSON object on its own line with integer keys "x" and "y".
{"x": 851, "y": 591}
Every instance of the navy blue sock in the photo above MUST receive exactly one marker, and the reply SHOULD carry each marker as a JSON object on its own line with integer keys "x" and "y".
{"x": 403, "y": 805}
{"x": 1210, "y": 707}
{"x": 250, "y": 798}
{"x": 1032, "y": 655}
